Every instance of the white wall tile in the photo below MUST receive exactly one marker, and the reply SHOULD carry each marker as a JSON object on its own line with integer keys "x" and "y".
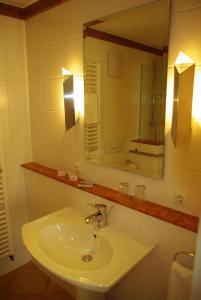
{"x": 5, "y": 124}
{"x": 66, "y": 21}
{"x": 15, "y": 67}
{"x": 52, "y": 94}
{"x": 2, "y": 65}
{"x": 3, "y": 95}
{"x": 116, "y": 6}
{"x": 2, "y": 44}
{"x": 178, "y": 5}
{"x": 15, "y": 135}
{"x": 34, "y": 59}
{"x": 170, "y": 238}
{"x": 54, "y": 40}
{"x": 37, "y": 120}
{"x": 19, "y": 124}
{"x": 54, "y": 125}
{"x": 17, "y": 95}
{"x": 184, "y": 35}
{"x": 74, "y": 137}
{"x": 13, "y": 32}
{"x": 36, "y": 101}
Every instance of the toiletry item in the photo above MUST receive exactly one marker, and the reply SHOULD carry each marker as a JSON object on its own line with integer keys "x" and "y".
{"x": 140, "y": 191}
{"x": 124, "y": 188}
{"x": 61, "y": 173}
{"x": 72, "y": 176}
{"x": 86, "y": 183}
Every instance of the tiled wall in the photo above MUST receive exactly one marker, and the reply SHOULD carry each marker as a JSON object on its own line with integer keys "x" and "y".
{"x": 149, "y": 281}
{"x": 54, "y": 40}
{"x": 120, "y": 96}
{"x": 14, "y": 123}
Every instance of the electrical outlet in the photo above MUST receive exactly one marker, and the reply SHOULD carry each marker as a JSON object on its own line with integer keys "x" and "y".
{"x": 180, "y": 198}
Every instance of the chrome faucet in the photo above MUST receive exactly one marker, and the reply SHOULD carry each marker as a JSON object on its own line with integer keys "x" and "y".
{"x": 100, "y": 216}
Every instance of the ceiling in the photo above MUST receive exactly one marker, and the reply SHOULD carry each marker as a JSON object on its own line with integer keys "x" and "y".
{"x": 19, "y": 3}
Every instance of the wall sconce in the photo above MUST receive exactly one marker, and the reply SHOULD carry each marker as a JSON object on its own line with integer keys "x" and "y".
{"x": 184, "y": 70}
{"x": 68, "y": 87}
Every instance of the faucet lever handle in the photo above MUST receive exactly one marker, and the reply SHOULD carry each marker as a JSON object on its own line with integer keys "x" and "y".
{"x": 99, "y": 206}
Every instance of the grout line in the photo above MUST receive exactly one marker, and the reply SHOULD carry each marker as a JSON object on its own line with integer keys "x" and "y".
{"x": 179, "y": 10}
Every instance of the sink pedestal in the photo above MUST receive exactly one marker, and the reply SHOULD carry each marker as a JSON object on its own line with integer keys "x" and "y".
{"x": 83, "y": 294}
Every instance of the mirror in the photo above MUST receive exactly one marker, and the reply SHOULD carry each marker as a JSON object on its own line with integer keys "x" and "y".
{"x": 125, "y": 67}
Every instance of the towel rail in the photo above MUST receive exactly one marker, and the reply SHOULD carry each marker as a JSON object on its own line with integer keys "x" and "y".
{"x": 191, "y": 254}
{"x": 136, "y": 151}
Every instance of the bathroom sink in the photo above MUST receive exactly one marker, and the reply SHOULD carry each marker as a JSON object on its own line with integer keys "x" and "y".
{"x": 80, "y": 254}
{"x": 73, "y": 245}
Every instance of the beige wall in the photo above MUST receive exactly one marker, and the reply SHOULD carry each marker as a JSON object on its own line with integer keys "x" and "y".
{"x": 54, "y": 40}
{"x": 14, "y": 124}
{"x": 149, "y": 281}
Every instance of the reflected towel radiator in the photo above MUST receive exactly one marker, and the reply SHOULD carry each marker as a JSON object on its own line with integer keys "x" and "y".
{"x": 92, "y": 102}
{"x": 6, "y": 247}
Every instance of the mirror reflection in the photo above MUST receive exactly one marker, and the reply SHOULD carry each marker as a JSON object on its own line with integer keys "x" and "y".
{"x": 125, "y": 61}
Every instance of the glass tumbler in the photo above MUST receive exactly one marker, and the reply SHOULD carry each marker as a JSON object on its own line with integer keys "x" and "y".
{"x": 124, "y": 188}
{"x": 140, "y": 191}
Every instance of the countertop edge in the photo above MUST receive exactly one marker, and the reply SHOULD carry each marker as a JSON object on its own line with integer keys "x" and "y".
{"x": 155, "y": 210}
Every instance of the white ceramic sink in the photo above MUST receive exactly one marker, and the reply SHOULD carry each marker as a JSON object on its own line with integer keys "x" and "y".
{"x": 59, "y": 240}
{"x": 67, "y": 244}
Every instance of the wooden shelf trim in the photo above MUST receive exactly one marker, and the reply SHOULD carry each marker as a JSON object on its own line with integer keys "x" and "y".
{"x": 108, "y": 37}
{"x": 29, "y": 11}
{"x": 164, "y": 213}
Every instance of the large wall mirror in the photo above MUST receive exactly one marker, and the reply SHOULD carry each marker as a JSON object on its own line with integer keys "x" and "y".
{"x": 125, "y": 64}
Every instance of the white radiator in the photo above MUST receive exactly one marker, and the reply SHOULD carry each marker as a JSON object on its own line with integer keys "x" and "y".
{"x": 6, "y": 247}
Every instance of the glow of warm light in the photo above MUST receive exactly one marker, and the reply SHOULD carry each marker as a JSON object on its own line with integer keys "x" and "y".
{"x": 169, "y": 93}
{"x": 79, "y": 95}
{"x": 68, "y": 96}
{"x": 66, "y": 72}
{"x": 196, "y": 109}
{"x": 183, "y": 59}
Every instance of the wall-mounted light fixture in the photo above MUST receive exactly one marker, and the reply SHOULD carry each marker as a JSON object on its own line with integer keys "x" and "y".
{"x": 184, "y": 70}
{"x": 69, "y": 107}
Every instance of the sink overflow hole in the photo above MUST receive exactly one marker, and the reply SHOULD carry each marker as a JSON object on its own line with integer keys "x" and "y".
{"x": 87, "y": 257}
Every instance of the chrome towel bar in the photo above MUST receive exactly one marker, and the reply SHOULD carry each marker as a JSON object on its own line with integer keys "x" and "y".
{"x": 145, "y": 153}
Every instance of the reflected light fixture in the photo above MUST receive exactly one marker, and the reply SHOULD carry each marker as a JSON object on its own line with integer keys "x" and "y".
{"x": 184, "y": 70}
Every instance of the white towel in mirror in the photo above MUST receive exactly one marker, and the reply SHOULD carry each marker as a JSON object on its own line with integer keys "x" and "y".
{"x": 179, "y": 282}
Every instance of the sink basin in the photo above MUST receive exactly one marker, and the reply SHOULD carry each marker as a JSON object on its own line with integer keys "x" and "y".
{"x": 73, "y": 245}
{"x": 76, "y": 253}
